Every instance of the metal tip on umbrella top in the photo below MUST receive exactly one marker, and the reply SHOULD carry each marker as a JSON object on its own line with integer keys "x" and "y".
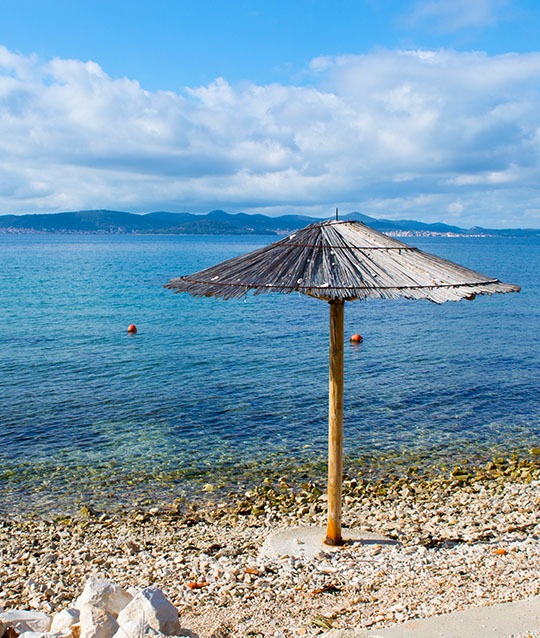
{"x": 339, "y": 261}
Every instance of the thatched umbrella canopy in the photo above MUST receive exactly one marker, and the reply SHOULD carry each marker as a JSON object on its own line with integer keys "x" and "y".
{"x": 340, "y": 261}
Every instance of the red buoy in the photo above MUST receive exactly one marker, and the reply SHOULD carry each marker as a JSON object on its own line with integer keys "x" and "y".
{"x": 356, "y": 338}
{"x": 132, "y": 328}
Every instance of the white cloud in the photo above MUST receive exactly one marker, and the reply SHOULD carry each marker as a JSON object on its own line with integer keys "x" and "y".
{"x": 455, "y": 208}
{"x": 415, "y": 133}
{"x": 454, "y": 15}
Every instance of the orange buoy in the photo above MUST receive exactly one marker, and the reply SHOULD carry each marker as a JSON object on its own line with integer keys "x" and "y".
{"x": 356, "y": 338}
{"x": 132, "y": 328}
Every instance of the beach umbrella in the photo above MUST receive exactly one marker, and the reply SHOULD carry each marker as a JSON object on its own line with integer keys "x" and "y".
{"x": 339, "y": 261}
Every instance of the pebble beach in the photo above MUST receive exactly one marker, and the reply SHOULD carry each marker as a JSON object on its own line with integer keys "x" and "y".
{"x": 466, "y": 537}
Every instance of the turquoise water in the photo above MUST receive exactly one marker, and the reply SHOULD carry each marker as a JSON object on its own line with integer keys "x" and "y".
{"x": 212, "y": 391}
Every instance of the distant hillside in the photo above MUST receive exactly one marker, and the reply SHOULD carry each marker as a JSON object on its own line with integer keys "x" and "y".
{"x": 217, "y": 222}
{"x": 409, "y": 226}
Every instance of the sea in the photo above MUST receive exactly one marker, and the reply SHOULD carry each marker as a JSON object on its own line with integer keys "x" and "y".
{"x": 212, "y": 396}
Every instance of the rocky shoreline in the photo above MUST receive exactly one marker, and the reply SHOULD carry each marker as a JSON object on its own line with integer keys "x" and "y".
{"x": 468, "y": 538}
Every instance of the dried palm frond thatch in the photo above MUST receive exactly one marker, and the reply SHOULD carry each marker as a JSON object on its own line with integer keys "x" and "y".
{"x": 341, "y": 260}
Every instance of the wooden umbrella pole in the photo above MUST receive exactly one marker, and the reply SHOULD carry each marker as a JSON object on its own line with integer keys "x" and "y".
{"x": 335, "y": 424}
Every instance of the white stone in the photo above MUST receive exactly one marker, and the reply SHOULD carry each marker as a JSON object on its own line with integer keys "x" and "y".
{"x": 97, "y": 623}
{"x": 64, "y": 620}
{"x": 139, "y": 629}
{"x": 131, "y": 629}
{"x": 103, "y": 593}
{"x": 347, "y": 633}
{"x": 151, "y": 607}
{"x": 135, "y": 629}
{"x": 26, "y": 620}
{"x": 152, "y": 633}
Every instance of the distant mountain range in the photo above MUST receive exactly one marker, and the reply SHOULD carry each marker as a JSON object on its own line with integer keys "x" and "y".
{"x": 217, "y": 222}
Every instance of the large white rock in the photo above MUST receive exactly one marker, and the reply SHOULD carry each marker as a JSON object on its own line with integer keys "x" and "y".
{"x": 130, "y": 629}
{"x": 348, "y": 633}
{"x": 64, "y": 620}
{"x": 24, "y": 620}
{"x": 151, "y": 610}
{"x": 136, "y": 629}
{"x": 139, "y": 629}
{"x": 104, "y": 594}
{"x": 97, "y": 623}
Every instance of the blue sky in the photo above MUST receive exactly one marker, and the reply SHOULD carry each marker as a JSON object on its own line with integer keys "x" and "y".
{"x": 426, "y": 110}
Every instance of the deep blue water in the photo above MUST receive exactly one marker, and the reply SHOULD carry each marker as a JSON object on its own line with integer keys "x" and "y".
{"x": 210, "y": 390}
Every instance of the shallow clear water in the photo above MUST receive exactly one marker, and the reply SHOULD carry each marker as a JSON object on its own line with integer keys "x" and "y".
{"x": 224, "y": 391}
